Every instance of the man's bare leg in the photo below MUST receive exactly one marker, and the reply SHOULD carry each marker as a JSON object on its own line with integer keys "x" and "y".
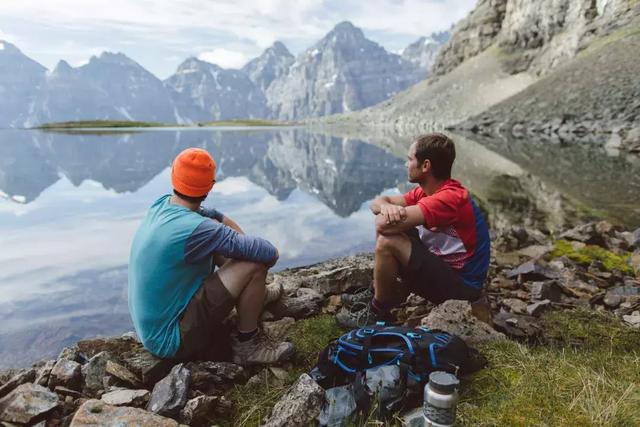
{"x": 245, "y": 281}
{"x": 392, "y": 251}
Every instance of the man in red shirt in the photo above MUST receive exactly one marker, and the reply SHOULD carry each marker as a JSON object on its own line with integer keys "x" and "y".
{"x": 432, "y": 241}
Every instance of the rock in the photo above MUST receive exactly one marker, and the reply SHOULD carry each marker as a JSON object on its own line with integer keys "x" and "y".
{"x": 278, "y": 329}
{"x": 25, "y": 376}
{"x": 215, "y": 377}
{"x": 147, "y": 366}
{"x": 535, "y": 251}
{"x": 333, "y": 304}
{"x": 545, "y": 290}
{"x": 533, "y": 270}
{"x": 632, "y": 319}
{"x": 72, "y": 353}
{"x": 27, "y": 402}
{"x": 502, "y": 283}
{"x": 299, "y": 406}
{"x": 330, "y": 277}
{"x": 456, "y": 317}
{"x": 66, "y": 373}
{"x": 517, "y": 326}
{"x": 44, "y": 372}
{"x": 587, "y": 234}
{"x": 612, "y": 300}
{"x": 582, "y": 287}
{"x": 514, "y": 305}
{"x": 170, "y": 393}
{"x": 126, "y": 397}
{"x": 95, "y": 370}
{"x": 304, "y": 303}
{"x": 132, "y": 335}
{"x": 204, "y": 410}
{"x": 537, "y": 308}
{"x": 114, "y": 345}
{"x": 97, "y": 413}
{"x": 122, "y": 374}
{"x": 63, "y": 391}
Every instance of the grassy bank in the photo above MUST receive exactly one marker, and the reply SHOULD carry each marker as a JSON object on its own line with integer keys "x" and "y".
{"x": 585, "y": 372}
{"x": 101, "y": 124}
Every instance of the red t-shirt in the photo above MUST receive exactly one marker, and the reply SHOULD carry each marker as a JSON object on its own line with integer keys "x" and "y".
{"x": 454, "y": 229}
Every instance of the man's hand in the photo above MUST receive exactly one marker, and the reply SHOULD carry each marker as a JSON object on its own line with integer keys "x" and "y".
{"x": 393, "y": 214}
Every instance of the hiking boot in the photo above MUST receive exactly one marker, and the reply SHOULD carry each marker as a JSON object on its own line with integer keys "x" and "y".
{"x": 273, "y": 293}
{"x": 360, "y": 296}
{"x": 260, "y": 350}
{"x": 358, "y": 316}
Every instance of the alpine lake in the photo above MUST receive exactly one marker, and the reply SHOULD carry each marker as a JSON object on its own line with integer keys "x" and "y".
{"x": 70, "y": 203}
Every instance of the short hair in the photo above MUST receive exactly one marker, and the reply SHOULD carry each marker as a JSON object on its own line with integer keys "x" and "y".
{"x": 190, "y": 199}
{"x": 440, "y": 150}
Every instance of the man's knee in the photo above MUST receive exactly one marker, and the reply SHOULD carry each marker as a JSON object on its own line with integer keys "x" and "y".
{"x": 390, "y": 243}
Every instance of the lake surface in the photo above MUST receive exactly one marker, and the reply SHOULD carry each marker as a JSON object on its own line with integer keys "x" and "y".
{"x": 70, "y": 205}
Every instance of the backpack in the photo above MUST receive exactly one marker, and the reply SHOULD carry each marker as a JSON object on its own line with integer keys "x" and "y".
{"x": 417, "y": 351}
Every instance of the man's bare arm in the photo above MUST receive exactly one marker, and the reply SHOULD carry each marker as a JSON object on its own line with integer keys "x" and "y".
{"x": 413, "y": 217}
{"x": 378, "y": 202}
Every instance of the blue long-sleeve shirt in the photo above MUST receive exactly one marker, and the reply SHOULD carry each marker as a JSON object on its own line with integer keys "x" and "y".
{"x": 170, "y": 257}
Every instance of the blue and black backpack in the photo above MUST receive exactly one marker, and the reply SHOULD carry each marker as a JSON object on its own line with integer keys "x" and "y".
{"x": 417, "y": 351}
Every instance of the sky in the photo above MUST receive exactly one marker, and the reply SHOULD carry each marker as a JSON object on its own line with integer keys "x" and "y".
{"x": 160, "y": 34}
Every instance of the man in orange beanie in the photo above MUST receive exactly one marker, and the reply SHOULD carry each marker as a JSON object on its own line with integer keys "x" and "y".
{"x": 177, "y": 304}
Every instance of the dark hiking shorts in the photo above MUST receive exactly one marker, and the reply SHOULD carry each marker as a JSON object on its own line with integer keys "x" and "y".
{"x": 202, "y": 333}
{"x": 430, "y": 277}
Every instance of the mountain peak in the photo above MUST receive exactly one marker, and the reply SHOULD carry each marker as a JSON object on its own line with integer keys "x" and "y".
{"x": 6, "y": 47}
{"x": 117, "y": 58}
{"x": 62, "y": 67}
{"x": 280, "y": 49}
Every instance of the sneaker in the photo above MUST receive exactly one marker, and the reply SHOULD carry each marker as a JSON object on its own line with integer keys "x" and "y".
{"x": 274, "y": 293}
{"x": 360, "y": 296}
{"x": 357, "y": 316}
{"x": 260, "y": 350}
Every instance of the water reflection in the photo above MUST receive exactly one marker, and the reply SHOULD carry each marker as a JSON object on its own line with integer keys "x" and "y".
{"x": 72, "y": 204}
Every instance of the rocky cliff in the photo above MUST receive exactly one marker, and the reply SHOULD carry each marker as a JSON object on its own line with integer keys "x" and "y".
{"x": 342, "y": 72}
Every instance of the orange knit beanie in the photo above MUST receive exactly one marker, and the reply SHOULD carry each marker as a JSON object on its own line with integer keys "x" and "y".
{"x": 193, "y": 172}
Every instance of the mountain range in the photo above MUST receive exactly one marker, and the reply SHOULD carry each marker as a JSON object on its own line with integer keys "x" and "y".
{"x": 344, "y": 71}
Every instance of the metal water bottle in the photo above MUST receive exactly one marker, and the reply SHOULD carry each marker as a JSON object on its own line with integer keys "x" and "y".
{"x": 440, "y": 399}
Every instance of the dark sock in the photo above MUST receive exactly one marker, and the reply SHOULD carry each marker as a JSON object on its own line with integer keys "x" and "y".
{"x": 246, "y": 336}
{"x": 380, "y": 308}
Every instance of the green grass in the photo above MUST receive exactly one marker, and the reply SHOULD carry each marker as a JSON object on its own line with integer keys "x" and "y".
{"x": 247, "y": 122}
{"x": 309, "y": 336}
{"x": 585, "y": 372}
{"x": 589, "y": 253}
{"x": 84, "y": 124}
{"x": 588, "y": 374}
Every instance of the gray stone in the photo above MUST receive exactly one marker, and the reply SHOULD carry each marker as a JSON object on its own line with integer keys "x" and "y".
{"x": 44, "y": 372}
{"x": 95, "y": 370}
{"x": 204, "y": 410}
{"x": 514, "y": 305}
{"x": 456, "y": 317}
{"x": 27, "y": 402}
{"x": 170, "y": 394}
{"x": 533, "y": 270}
{"x": 632, "y": 319}
{"x": 215, "y": 377}
{"x": 66, "y": 373}
{"x": 126, "y": 397}
{"x": 147, "y": 366}
{"x": 304, "y": 303}
{"x": 545, "y": 290}
{"x": 537, "y": 308}
{"x": 300, "y": 406}
{"x": 97, "y": 413}
{"x": 113, "y": 345}
{"x": 122, "y": 375}
{"x": 517, "y": 326}
{"x": 72, "y": 353}
{"x": 25, "y": 376}
{"x": 612, "y": 300}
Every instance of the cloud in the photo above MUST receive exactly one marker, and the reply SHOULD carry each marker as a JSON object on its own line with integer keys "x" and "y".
{"x": 225, "y": 58}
